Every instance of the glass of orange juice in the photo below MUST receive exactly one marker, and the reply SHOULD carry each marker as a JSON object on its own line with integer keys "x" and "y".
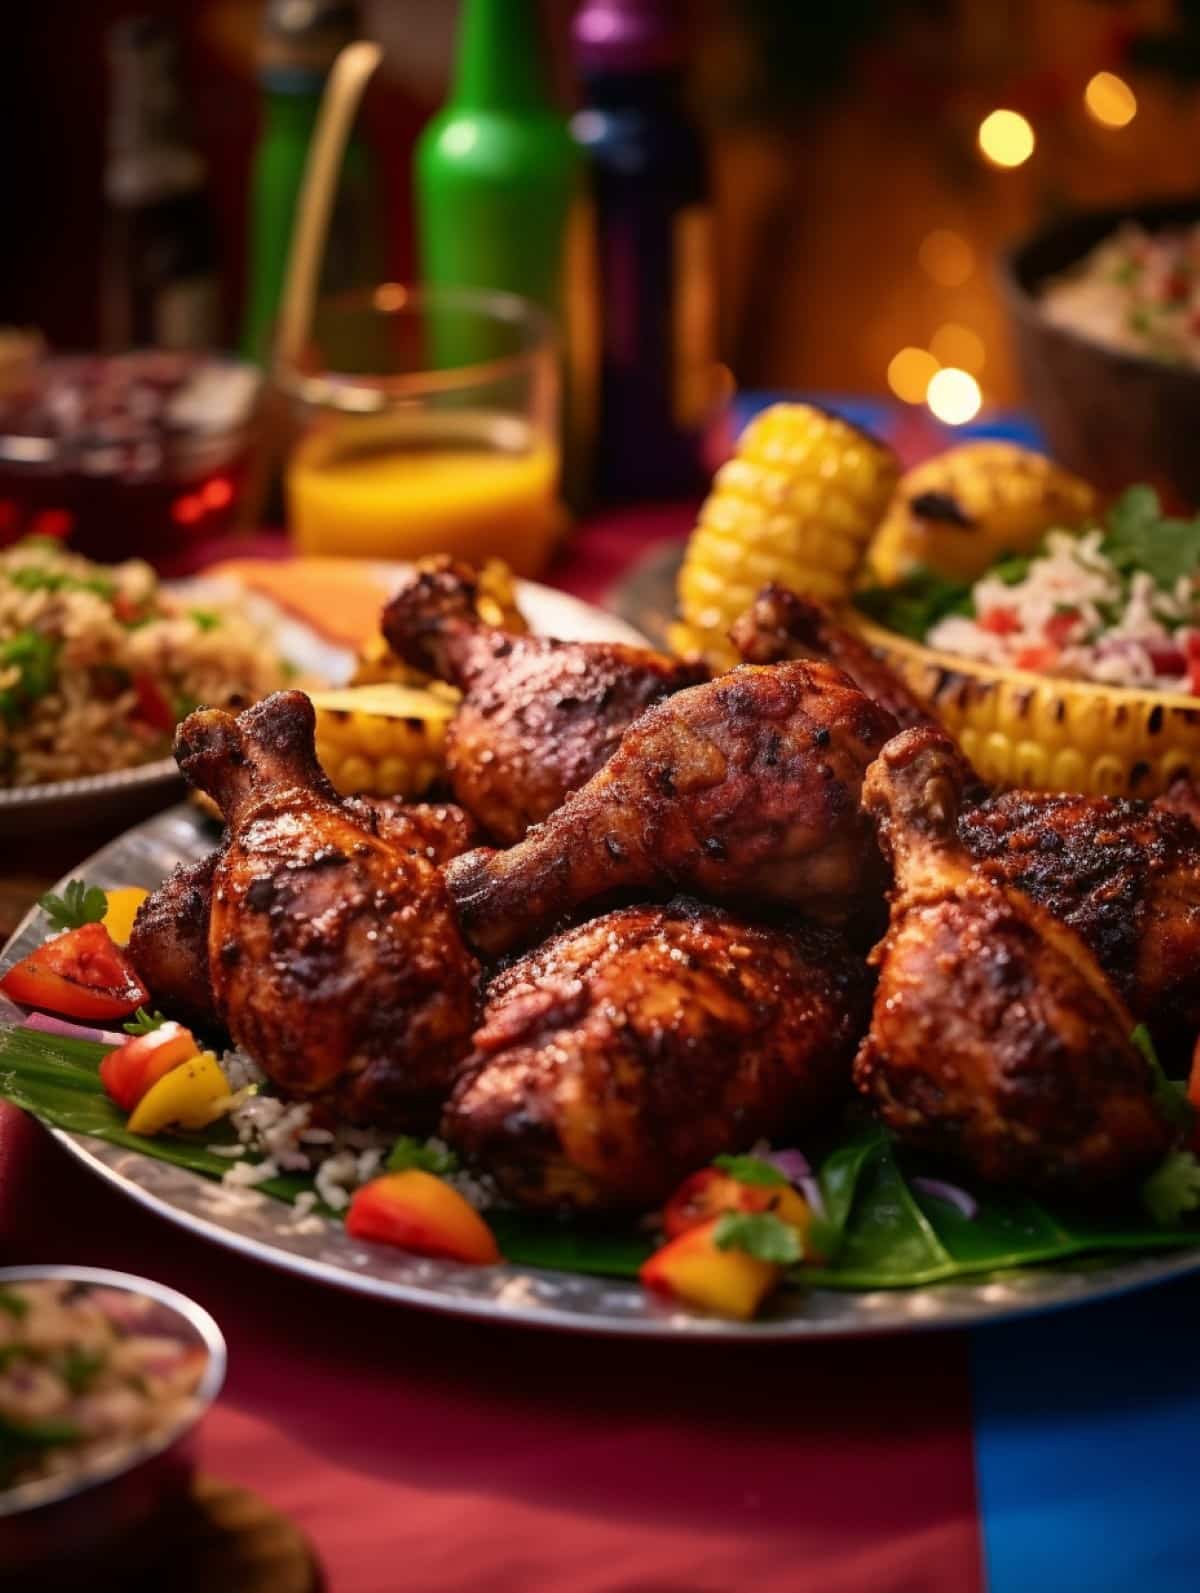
{"x": 427, "y": 423}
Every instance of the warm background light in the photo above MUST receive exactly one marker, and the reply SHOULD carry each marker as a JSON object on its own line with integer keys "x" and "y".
{"x": 1110, "y": 100}
{"x": 1006, "y": 138}
{"x": 954, "y": 396}
{"x": 953, "y": 344}
{"x": 947, "y": 257}
{"x": 910, "y": 372}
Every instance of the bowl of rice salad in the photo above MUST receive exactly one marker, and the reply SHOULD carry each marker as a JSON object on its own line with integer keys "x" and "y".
{"x": 104, "y": 1379}
{"x": 1106, "y": 329}
{"x": 1074, "y": 666}
{"x": 98, "y": 663}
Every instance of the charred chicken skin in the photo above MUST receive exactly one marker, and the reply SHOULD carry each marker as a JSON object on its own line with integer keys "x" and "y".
{"x": 781, "y": 625}
{"x": 1124, "y": 875}
{"x": 743, "y": 789}
{"x": 624, "y": 1054}
{"x": 995, "y": 1039}
{"x": 538, "y": 717}
{"x": 335, "y": 959}
{"x": 169, "y": 942}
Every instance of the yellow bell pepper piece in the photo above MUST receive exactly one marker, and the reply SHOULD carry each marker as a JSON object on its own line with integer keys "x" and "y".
{"x": 692, "y": 1270}
{"x": 123, "y": 903}
{"x": 190, "y": 1096}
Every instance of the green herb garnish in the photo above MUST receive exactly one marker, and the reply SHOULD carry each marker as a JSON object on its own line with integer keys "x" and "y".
{"x": 35, "y": 658}
{"x": 751, "y": 1170}
{"x": 79, "y": 1367}
{"x": 1170, "y": 1097}
{"x": 15, "y": 1304}
{"x": 144, "y": 1022}
{"x": 1138, "y": 536}
{"x": 1172, "y": 1189}
{"x": 79, "y": 904}
{"x": 760, "y": 1234}
{"x": 914, "y": 605}
{"x": 426, "y": 1155}
{"x": 204, "y": 619}
{"x": 33, "y": 578}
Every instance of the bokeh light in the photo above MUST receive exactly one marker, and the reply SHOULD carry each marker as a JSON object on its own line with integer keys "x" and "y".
{"x": 947, "y": 257}
{"x": 1006, "y": 138}
{"x": 910, "y": 372}
{"x": 1110, "y": 100}
{"x": 954, "y": 344}
{"x": 954, "y": 396}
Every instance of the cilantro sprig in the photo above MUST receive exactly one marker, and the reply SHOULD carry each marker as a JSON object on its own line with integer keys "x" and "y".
{"x": 144, "y": 1022}
{"x": 427, "y": 1156}
{"x": 1138, "y": 536}
{"x": 760, "y": 1234}
{"x": 79, "y": 904}
{"x": 1172, "y": 1190}
{"x": 1170, "y": 1097}
{"x": 751, "y": 1170}
{"x": 34, "y": 657}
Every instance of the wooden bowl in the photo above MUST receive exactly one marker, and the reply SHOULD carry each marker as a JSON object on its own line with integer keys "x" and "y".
{"x": 1112, "y": 416}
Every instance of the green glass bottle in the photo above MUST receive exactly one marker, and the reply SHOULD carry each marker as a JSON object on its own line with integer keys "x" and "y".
{"x": 496, "y": 167}
{"x": 299, "y": 46}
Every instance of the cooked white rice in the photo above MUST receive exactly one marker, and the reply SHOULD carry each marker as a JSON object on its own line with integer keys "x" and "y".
{"x": 1074, "y": 614}
{"x": 277, "y": 1136}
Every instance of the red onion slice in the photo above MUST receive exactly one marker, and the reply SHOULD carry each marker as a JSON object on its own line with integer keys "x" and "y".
{"x": 963, "y": 1203}
{"x": 46, "y": 1024}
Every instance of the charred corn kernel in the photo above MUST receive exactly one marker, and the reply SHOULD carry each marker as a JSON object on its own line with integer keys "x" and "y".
{"x": 958, "y": 512}
{"x": 797, "y": 504}
{"x": 384, "y": 740}
{"x": 123, "y": 903}
{"x": 191, "y": 1095}
{"x": 1047, "y": 734}
{"x": 377, "y": 665}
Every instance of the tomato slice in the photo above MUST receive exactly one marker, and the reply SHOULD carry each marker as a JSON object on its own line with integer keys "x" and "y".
{"x": 81, "y": 974}
{"x": 129, "y": 1071}
{"x": 153, "y": 708}
{"x": 1000, "y": 621}
{"x": 707, "y": 1194}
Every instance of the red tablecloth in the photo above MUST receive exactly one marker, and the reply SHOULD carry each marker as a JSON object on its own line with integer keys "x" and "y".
{"x": 427, "y": 1453}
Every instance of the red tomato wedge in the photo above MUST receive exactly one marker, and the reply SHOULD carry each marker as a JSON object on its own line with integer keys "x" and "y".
{"x": 81, "y": 974}
{"x": 129, "y": 1071}
{"x": 153, "y": 709}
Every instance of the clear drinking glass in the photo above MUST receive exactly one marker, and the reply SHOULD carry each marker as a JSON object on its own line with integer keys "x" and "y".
{"x": 428, "y": 422}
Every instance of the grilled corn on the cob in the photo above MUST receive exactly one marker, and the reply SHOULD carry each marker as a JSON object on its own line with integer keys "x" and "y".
{"x": 1047, "y": 734}
{"x": 958, "y": 512}
{"x": 796, "y": 504}
{"x": 384, "y": 740}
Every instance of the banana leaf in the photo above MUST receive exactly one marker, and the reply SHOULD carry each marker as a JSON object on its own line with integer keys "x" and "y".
{"x": 880, "y": 1231}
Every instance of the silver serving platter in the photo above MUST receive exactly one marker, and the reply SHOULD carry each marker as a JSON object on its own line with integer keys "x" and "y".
{"x": 256, "y": 1225}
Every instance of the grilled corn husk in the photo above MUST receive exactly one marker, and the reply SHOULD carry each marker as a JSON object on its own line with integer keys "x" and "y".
{"x": 958, "y": 512}
{"x": 495, "y": 604}
{"x": 797, "y": 504}
{"x": 384, "y": 739}
{"x": 1047, "y": 734}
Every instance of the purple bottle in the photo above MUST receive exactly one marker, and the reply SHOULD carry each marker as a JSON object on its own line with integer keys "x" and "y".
{"x": 649, "y": 333}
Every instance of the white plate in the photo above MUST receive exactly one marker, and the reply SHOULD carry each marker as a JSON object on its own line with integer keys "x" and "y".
{"x": 95, "y": 799}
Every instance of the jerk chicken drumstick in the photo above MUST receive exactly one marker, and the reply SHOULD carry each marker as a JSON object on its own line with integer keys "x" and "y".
{"x": 624, "y": 1054}
{"x": 538, "y": 717}
{"x": 745, "y": 788}
{"x": 995, "y": 1038}
{"x": 1123, "y": 874}
{"x": 335, "y": 959}
{"x": 169, "y": 941}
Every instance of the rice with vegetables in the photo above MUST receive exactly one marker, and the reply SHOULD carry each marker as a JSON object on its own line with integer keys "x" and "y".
{"x": 85, "y": 1374}
{"x": 98, "y": 664}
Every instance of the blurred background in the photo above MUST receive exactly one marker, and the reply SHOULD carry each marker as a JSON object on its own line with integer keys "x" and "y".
{"x": 857, "y": 211}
